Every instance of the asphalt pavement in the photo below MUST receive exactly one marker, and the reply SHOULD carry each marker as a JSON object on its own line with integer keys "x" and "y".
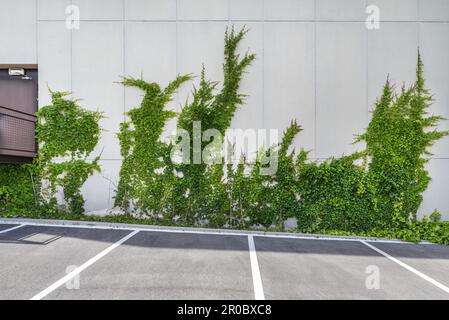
{"x": 51, "y": 261}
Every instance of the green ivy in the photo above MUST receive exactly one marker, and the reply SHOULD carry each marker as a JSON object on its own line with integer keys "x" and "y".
{"x": 335, "y": 194}
{"x": 385, "y": 190}
{"x": 146, "y": 170}
{"x": 375, "y": 192}
{"x": 398, "y": 140}
{"x": 66, "y": 131}
{"x": 17, "y": 189}
{"x": 150, "y": 183}
{"x": 379, "y": 188}
{"x": 214, "y": 111}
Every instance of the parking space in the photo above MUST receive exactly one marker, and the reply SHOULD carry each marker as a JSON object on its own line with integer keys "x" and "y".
{"x": 33, "y": 257}
{"x": 432, "y": 260}
{"x": 155, "y": 265}
{"x": 324, "y": 269}
{"x": 88, "y": 262}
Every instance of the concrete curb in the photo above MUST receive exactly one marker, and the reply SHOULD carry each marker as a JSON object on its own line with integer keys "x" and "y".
{"x": 209, "y": 231}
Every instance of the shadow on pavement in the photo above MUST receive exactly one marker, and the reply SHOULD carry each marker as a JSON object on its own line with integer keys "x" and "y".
{"x": 43, "y": 235}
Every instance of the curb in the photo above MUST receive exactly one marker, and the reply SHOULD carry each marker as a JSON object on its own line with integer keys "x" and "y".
{"x": 199, "y": 230}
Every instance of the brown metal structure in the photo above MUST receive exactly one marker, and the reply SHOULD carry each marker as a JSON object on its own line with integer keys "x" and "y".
{"x": 18, "y": 105}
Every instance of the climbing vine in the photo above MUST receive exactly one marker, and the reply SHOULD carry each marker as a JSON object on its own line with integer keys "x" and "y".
{"x": 373, "y": 192}
{"x": 67, "y": 134}
{"x": 398, "y": 139}
{"x": 385, "y": 191}
{"x": 212, "y": 111}
{"x": 146, "y": 165}
{"x": 380, "y": 187}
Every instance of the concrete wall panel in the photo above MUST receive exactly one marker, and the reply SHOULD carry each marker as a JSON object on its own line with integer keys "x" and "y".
{"x": 289, "y": 9}
{"x": 194, "y": 40}
{"x": 203, "y": 10}
{"x": 435, "y": 197}
{"x": 397, "y": 10}
{"x": 102, "y": 185}
{"x": 245, "y": 10}
{"x": 52, "y": 9}
{"x": 341, "y": 89}
{"x": 434, "y": 44}
{"x": 341, "y": 10}
{"x": 389, "y": 56}
{"x": 154, "y": 58}
{"x": 100, "y": 9}
{"x": 54, "y": 59}
{"x": 18, "y": 31}
{"x": 97, "y": 57}
{"x": 150, "y": 10}
{"x": 434, "y": 10}
{"x": 289, "y": 83}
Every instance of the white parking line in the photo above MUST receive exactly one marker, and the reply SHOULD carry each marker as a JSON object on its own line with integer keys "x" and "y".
{"x": 81, "y": 268}
{"x": 13, "y": 228}
{"x": 409, "y": 268}
{"x": 257, "y": 280}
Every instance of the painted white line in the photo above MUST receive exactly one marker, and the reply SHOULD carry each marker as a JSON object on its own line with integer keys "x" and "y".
{"x": 205, "y": 231}
{"x": 257, "y": 280}
{"x": 13, "y": 228}
{"x": 81, "y": 268}
{"x": 409, "y": 268}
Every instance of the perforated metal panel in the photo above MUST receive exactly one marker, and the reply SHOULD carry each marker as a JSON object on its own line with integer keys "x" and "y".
{"x": 16, "y": 134}
{"x": 18, "y": 104}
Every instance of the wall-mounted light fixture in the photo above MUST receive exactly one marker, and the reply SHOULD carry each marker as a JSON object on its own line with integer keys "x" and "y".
{"x": 19, "y": 72}
{"x": 16, "y": 72}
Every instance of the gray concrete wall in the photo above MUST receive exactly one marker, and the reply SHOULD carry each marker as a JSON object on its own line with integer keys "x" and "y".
{"x": 316, "y": 62}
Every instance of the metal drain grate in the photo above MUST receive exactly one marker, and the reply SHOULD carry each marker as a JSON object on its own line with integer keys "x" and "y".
{"x": 40, "y": 238}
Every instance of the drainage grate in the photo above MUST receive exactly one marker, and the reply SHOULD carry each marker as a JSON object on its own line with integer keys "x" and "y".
{"x": 40, "y": 238}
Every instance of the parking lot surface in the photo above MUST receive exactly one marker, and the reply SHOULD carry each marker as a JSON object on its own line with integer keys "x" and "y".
{"x": 51, "y": 261}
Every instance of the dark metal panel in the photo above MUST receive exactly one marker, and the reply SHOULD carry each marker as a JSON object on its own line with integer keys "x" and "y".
{"x": 18, "y": 104}
{"x": 16, "y": 135}
{"x": 15, "y": 160}
{"x": 19, "y": 94}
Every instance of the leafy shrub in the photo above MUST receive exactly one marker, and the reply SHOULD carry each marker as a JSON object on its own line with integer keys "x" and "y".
{"x": 5, "y": 196}
{"x": 435, "y": 216}
{"x": 335, "y": 194}
{"x": 17, "y": 193}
